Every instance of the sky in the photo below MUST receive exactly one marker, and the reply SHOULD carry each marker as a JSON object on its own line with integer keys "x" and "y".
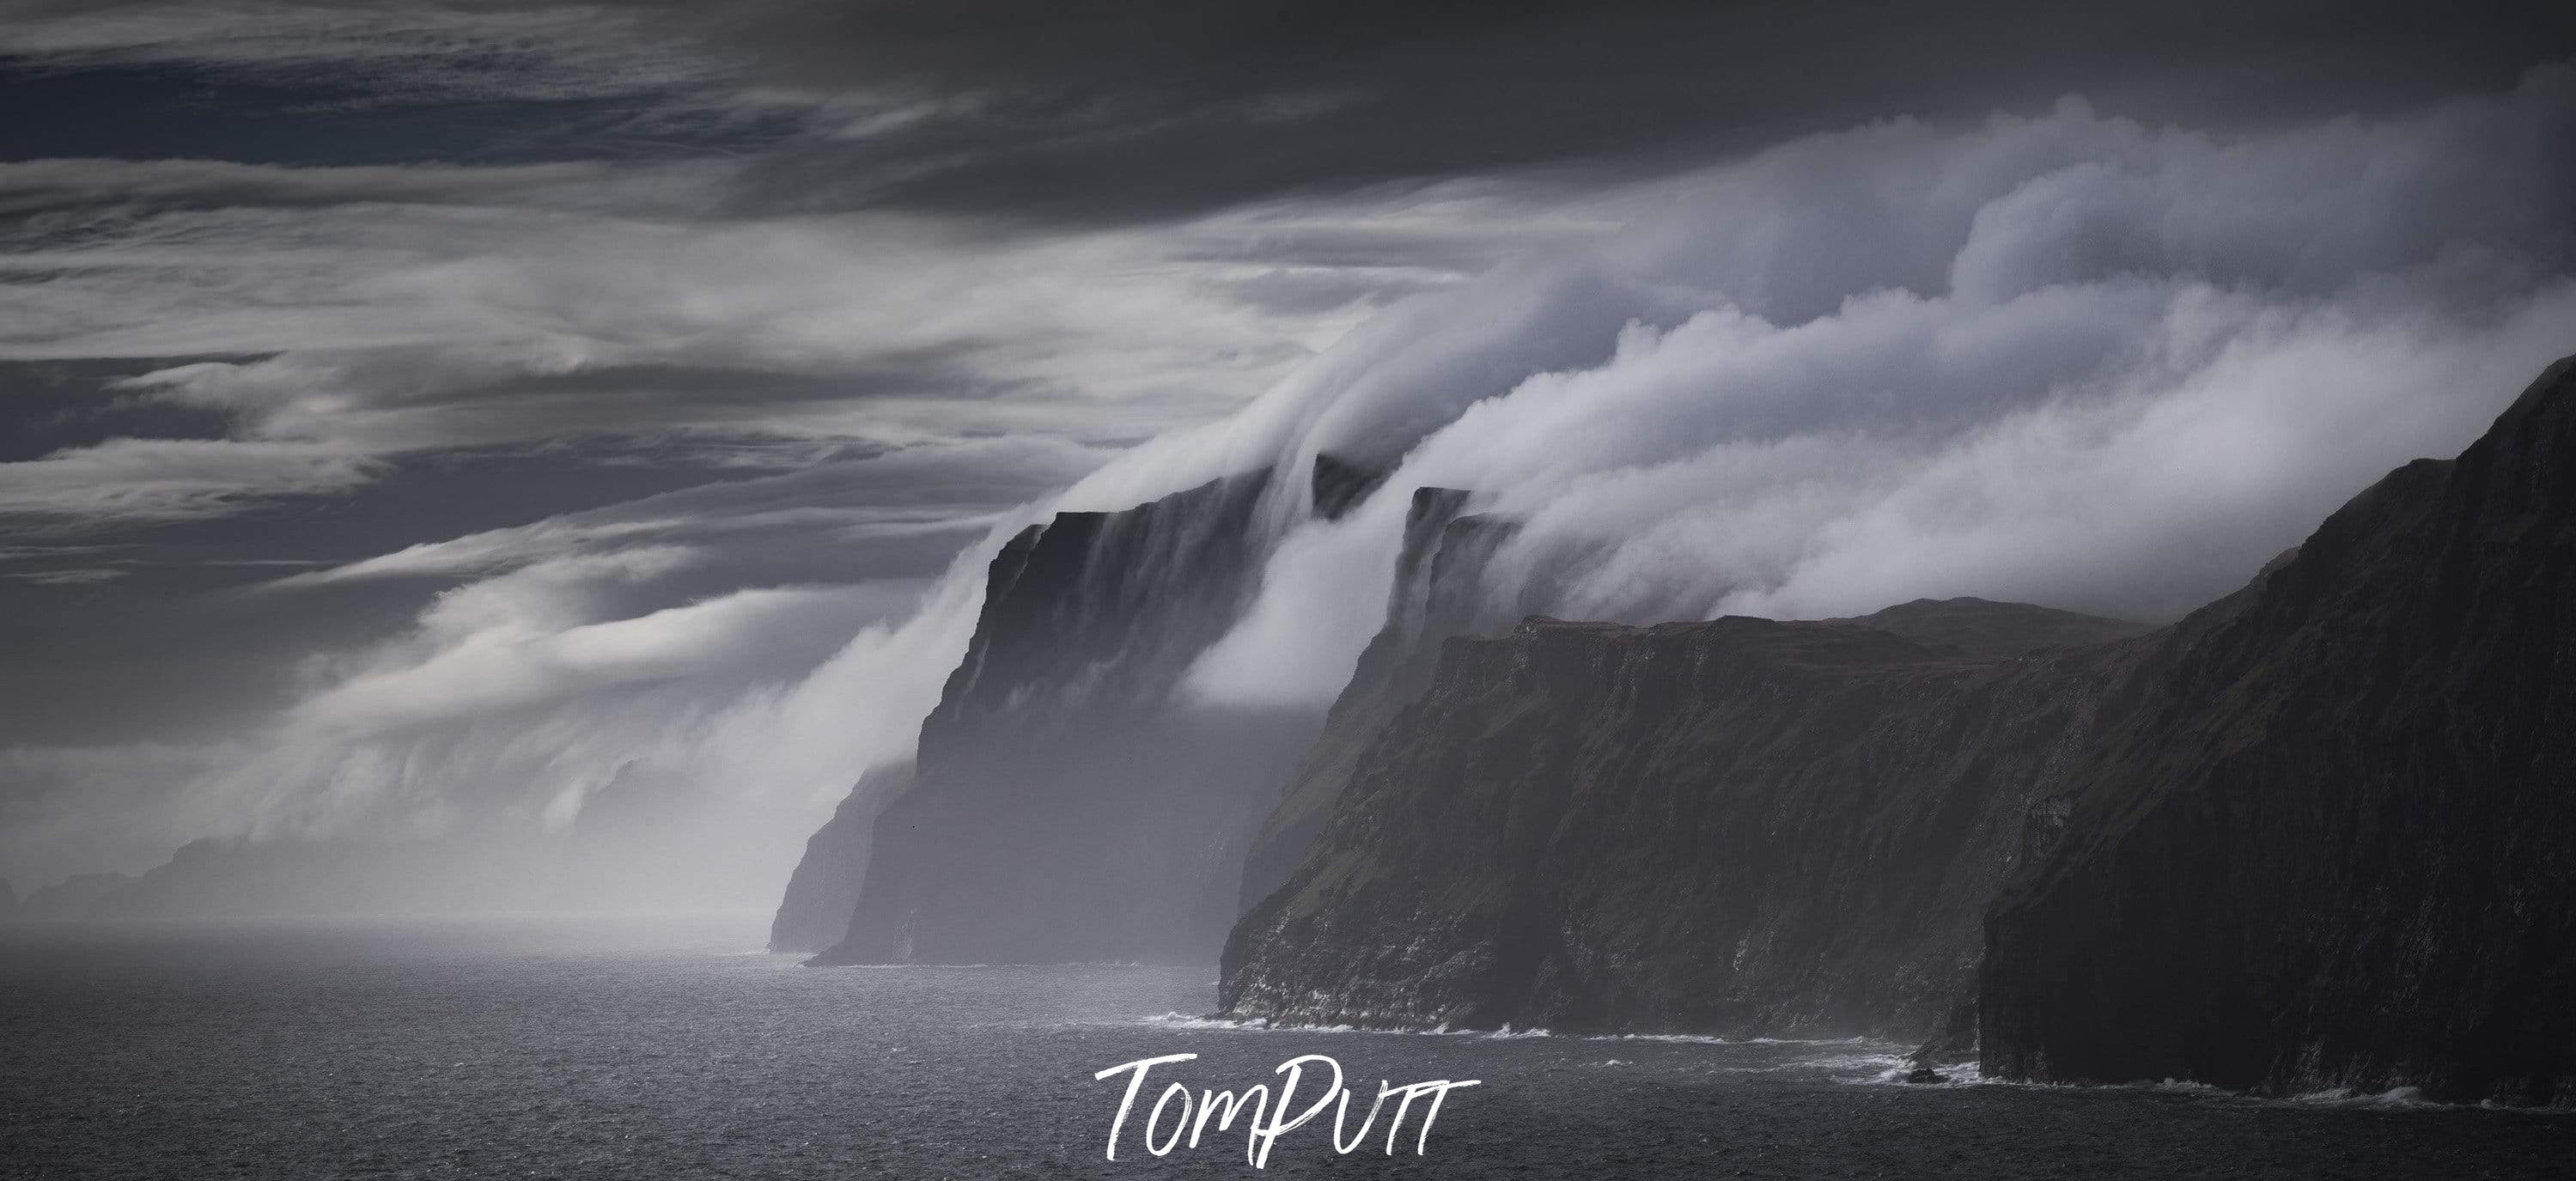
{"x": 418, "y": 417}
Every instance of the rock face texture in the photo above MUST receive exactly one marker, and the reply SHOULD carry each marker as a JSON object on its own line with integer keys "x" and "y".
{"x": 2333, "y": 841}
{"x": 1739, "y": 826}
{"x": 1438, "y": 593}
{"x": 1435, "y": 596}
{"x": 1067, "y": 804}
{"x": 8, "y": 900}
{"x": 824, "y": 891}
{"x": 1338, "y": 485}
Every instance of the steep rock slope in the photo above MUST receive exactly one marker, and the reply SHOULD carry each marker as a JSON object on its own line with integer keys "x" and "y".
{"x": 2334, "y": 844}
{"x": 1435, "y": 595}
{"x": 1738, "y": 826}
{"x": 823, "y": 892}
{"x": 1066, "y": 805}
{"x": 1337, "y": 485}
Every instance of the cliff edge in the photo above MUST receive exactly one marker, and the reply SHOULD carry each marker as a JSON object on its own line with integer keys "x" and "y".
{"x": 1741, "y": 826}
{"x": 2334, "y": 844}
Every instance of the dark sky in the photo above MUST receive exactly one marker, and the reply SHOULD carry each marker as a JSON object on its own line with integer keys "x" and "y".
{"x": 589, "y": 378}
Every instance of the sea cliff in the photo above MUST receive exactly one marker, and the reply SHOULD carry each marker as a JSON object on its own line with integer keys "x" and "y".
{"x": 1739, "y": 826}
{"x": 2334, "y": 843}
{"x": 1068, "y": 804}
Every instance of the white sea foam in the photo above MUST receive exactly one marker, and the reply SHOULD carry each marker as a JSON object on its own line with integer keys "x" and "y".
{"x": 2394, "y": 1097}
{"x": 2187, "y": 1087}
{"x": 1862, "y": 1068}
{"x": 1709, "y": 1039}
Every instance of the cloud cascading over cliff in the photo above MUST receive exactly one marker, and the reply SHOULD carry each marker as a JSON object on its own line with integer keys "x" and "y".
{"x": 2059, "y": 357}
{"x": 2066, "y": 359}
{"x": 2102, "y": 366}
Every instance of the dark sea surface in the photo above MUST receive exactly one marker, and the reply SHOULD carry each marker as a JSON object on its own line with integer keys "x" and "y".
{"x": 645, "y": 1048}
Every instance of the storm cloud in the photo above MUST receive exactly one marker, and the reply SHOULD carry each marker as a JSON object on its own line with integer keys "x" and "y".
{"x": 483, "y": 417}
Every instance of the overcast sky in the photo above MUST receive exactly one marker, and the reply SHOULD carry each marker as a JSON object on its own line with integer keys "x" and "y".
{"x": 585, "y": 387}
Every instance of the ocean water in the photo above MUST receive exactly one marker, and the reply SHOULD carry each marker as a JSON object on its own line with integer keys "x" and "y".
{"x": 666, "y": 1047}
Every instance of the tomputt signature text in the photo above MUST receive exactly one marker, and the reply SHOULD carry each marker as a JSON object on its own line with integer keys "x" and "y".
{"x": 1265, "y": 1121}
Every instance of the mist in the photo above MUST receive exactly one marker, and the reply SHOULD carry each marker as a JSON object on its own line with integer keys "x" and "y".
{"x": 2064, "y": 359}
{"x": 2060, "y": 357}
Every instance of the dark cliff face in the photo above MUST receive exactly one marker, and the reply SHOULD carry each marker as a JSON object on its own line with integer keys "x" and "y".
{"x": 1338, "y": 485}
{"x": 2334, "y": 843}
{"x": 1067, "y": 806}
{"x": 8, "y": 900}
{"x": 1436, "y": 594}
{"x": 823, "y": 892}
{"x": 1741, "y": 826}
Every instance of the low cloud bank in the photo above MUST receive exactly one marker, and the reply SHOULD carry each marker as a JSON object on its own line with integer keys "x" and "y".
{"x": 2062, "y": 358}
{"x": 2067, "y": 359}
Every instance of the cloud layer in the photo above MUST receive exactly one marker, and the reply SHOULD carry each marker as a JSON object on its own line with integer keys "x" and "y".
{"x": 897, "y": 288}
{"x": 2062, "y": 358}
{"x": 2068, "y": 359}
{"x": 360, "y": 313}
{"x": 286, "y": 364}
